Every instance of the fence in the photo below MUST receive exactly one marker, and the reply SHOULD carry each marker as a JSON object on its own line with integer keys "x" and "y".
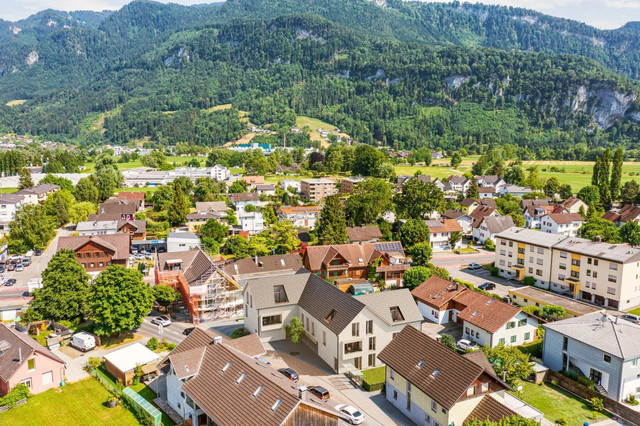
{"x": 105, "y": 381}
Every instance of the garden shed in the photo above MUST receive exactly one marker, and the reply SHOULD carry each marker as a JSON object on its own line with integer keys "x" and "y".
{"x": 122, "y": 363}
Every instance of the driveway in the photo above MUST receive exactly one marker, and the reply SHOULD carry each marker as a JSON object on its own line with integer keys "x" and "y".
{"x": 450, "y": 259}
{"x": 480, "y": 276}
{"x": 435, "y": 331}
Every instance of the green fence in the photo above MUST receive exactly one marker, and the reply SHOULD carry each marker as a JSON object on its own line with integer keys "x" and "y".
{"x": 138, "y": 403}
{"x": 105, "y": 381}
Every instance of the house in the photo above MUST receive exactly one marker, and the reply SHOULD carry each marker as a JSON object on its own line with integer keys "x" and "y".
{"x": 38, "y": 194}
{"x": 290, "y": 183}
{"x": 220, "y": 173}
{"x": 515, "y": 190}
{"x": 122, "y": 363}
{"x": 433, "y": 385}
{"x": 440, "y": 232}
{"x": 626, "y": 214}
{"x": 352, "y": 261}
{"x": 485, "y": 320}
{"x": 532, "y": 296}
{"x": 23, "y": 360}
{"x": 533, "y": 214}
{"x": 133, "y": 195}
{"x": 136, "y": 228}
{"x": 599, "y": 346}
{"x": 567, "y": 224}
{"x": 97, "y": 252}
{"x": 468, "y": 205}
{"x": 268, "y": 189}
{"x": 209, "y": 379}
{"x": 402, "y": 179}
{"x": 573, "y": 205}
{"x": 480, "y": 213}
{"x": 490, "y": 181}
{"x": 317, "y": 189}
{"x": 364, "y": 234}
{"x": 198, "y": 219}
{"x": 300, "y": 216}
{"x": 252, "y": 181}
{"x": 487, "y": 227}
{"x": 592, "y": 271}
{"x": 249, "y": 222}
{"x": 437, "y": 155}
{"x": 486, "y": 192}
{"x": 241, "y": 201}
{"x": 533, "y": 202}
{"x": 207, "y": 291}
{"x": 242, "y": 270}
{"x": 347, "y": 185}
{"x": 9, "y": 205}
{"x": 116, "y": 210}
{"x": 285, "y": 170}
{"x": 464, "y": 220}
{"x": 182, "y": 241}
{"x": 345, "y": 331}
{"x": 447, "y": 188}
{"x": 219, "y": 207}
{"x": 460, "y": 184}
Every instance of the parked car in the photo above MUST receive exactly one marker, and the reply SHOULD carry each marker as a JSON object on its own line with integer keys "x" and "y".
{"x": 2, "y": 269}
{"x": 10, "y": 282}
{"x": 487, "y": 286}
{"x": 163, "y": 320}
{"x": 473, "y": 266}
{"x": 132, "y": 258}
{"x": 11, "y": 267}
{"x": 2, "y": 279}
{"x": 289, "y": 373}
{"x": 464, "y": 344}
{"x": 148, "y": 256}
{"x": 19, "y": 267}
{"x": 162, "y": 250}
{"x": 26, "y": 261}
{"x": 187, "y": 331}
{"x": 630, "y": 317}
{"x": 353, "y": 415}
{"x": 38, "y": 252}
{"x": 319, "y": 392}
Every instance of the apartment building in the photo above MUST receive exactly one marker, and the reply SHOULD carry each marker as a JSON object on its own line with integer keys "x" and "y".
{"x": 38, "y": 193}
{"x": 317, "y": 189}
{"x": 9, "y": 205}
{"x": 597, "y": 272}
{"x": 347, "y": 185}
{"x": 300, "y": 216}
{"x": 567, "y": 224}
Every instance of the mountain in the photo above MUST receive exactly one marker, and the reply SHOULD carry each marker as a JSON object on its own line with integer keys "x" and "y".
{"x": 404, "y": 74}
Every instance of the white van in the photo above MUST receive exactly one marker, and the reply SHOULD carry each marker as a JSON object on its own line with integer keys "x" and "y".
{"x": 83, "y": 341}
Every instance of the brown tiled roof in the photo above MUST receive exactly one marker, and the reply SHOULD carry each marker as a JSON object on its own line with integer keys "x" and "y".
{"x": 236, "y": 198}
{"x": 300, "y": 209}
{"x": 278, "y": 262}
{"x": 565, "y": 218}
{"x": 139, "y": 225}
{"x": 203, "y": 215}
{"x": 135, "y": 195}
{"x": 250, "y": 345}
{"x": 42, "y": 188}
{"x": 187, "y": 363}
{"x": 452, "y": 214}
{"x": 488, "y": 202}
{"x": 525, "y": 203}
{"x": 489, "y": 409}
{"x": 18, "y": 343}
{"x": 487, "y": 190}
{"x": 480, "y": 213}
{"x": 416, "y": 357}
{"x": 436, "y": 291}
{"x": 363, "y": 233}
{"x": 629, "y": 212}
{"x": 118, "y": 243}
{"x": 446, "y": 225}
{"x": 195, "y": 263}
{"x": 571, "y": 201}
{"x": 253, "y": 179}
{"x": 611, "y": 216}
{"x": 352, "y": 253}
{"x": 485, "y": 312}
{"x": 265, "y": 187}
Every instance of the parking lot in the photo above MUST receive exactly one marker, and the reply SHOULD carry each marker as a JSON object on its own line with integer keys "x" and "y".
{"x": 480, "y": 276}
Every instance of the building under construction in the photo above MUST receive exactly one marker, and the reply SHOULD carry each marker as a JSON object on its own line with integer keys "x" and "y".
{"x": 208, "y": 292}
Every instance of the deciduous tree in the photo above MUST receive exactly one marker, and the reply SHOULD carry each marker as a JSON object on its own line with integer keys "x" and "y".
{"x": 369, "y": 201}
{"x": 419, "y": 199}
{"x": 415, "y": 276}
{"x": 412, "y": 232}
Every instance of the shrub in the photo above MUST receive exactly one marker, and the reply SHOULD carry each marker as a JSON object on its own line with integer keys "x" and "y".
{"x": 570, "y": 374}
{"x": 529, "y": 281}
{"x": 586, "y": 382}
{"x": 561, "y": 421}
{"x": 449, "y": 341}
{"x": 239, "y": 332}
{"x": 533, "y": 310}
{"x": 373, "y": 379}
{"x": 489, "y": 245}
{"x": 16, "y": 394}
{"x": 533, "y": 348}
{"x": 597, "y": 404}
{"x": 631, "y": 400}
{"x": 152, "y": 344}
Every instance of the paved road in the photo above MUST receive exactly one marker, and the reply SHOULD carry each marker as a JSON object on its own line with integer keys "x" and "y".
{"x": 451, "y": 259}
{"x": 172, "y": 333}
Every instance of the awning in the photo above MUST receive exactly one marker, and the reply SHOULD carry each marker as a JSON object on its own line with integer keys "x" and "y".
{"x": 149, "y": 368}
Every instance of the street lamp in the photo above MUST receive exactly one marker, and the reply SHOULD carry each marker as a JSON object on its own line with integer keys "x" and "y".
{"x": 519, "y": 390}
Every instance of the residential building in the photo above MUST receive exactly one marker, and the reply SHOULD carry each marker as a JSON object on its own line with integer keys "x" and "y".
{"x": 137, "y": 229}
{"x": 479, "y": 213}
{"x": 535, "y": 202}
{"x": 515, "y": 190}
{"x": 300, "y": 216}
{"x": 364, "y": 234}
{"x": 533, "y": 214}
{"x": 440, "y": 232}
{"x": 9, "y": 205}
{"x": 122, "y": 363}
{"x": 209, "y": 379}
{"x": 220, "y": 173}
{"x": 317, "y": 189}
{"x": 38, "y": 193}
{"x": 197, "y": 219}
{"x": 491, "y": 181}
{"x": 23, "y": 360}
{"x": 567, "y": 224}
{"x": 352, "y": 261}
{"x": 133, "y": 196}
{"x": 447, "y": 188}
{"x": 219, "y": 207}
{"x": 599, "y": 346}
{"x": 249, "y": 222}
{"x": 252, "y": 181}
{"x": 144, "y": 176}
{"x": 433, "y": 385}
{"x": 116, "y": 210}
{"x": 241, "y": 201}
{"x": 207, "y": 291}
{"x": 402, "y": 179}
{"x": 464, "y": 220}
{"x": 484, "y": 320}
{"x": 626, "y": 214}
{"x": 242, "y": 270}
{"x": 486, "y": 192}
{"x": 533, "y": 296}
{"x": 97, "y": 252}
{"x": 182, "y": 241}
{"x": 290, "y": 183}
{"x": 346, "y": 331}
{"x": 347, "y": 185}
{"x": 487, "y": 227}
{"x": 596, "y": 272}
{"x": 468, "y": 205}
{"x": 268, "y": 189}
{"x": 459, "y": 184}
{"x": 573, "y": 205}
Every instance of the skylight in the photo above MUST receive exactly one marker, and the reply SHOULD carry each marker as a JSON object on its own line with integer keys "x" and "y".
{"x": 435, "y": 373}
{"x": 226, "y": 367}
{"x": 257, "y": 392}
{"x": 275, "y": 406}
{"x": 241, "y": 378}
{"x": 421, "y": 363}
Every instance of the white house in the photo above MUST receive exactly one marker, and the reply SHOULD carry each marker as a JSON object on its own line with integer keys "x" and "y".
{"x": 268, "y": 189}
{"x": 464, "y": 220}
{"x": 251, "y": 222}
{"x": 440, "y": 232}
{"x": 488, "y": 226}
{"x": 485, "y": 320}
{"x": 346, "y": 332}
{"x": 491, "y": 181}
{"x": 460, "y": 184}
{"x": 290, "y": 183}
{"x": 9, "y": 205}
{"x": 38, "y": 193}
{"x": 562, "y": 224}
{"x": 300, "y": 216}
{"x": 182, "y": 241}
{"x": 241, "y": 201}
{"x": 515, "y": 190}
{"x": 220, "y": 173}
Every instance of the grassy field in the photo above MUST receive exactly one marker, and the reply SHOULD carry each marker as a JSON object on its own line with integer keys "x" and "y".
{"x": 314, "y": 124}
{"x": 16, "y": 102}
{"x": 147, "y": 189}
{"x": 80, "y": 403}
{"x": 556, "y": 403}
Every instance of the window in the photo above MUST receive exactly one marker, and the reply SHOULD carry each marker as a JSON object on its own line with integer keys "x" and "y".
{"x": 511, "y": 324}
{"x": 530, "y": 259}
{"x": 485, "y": 387}
{"x": 372, "y": 343}
{"x": 355, "y": 329}
{"x": 575, "y": 274}
{"x": 588, "y": 272}
{"x": 393, "y": 336}
{"x": 396, "y": 314}
{"x": 313, "y": 328}
{"x": 372, "y": 360}
{"x": 561, "y": 277}
{"x": 563, "y": 255}
{"x": 510, "y": 243}
{"x": 471, "y": 391}
{"x": 527, "y": 335}
{"x": 606, "y": 358}
{"x": 593, "y": 286}
{"x": 331, "y": 315}
{"x": 531, "y": 249}
{"x": 595, "y": 274}
{"x": 502, "y": 252}
{"x": 279, "y": 294}
{"x": 613, "y": 266}
{"x": 513, "y": 338}
{"x": 595, "y": 262}
{"x": 575, "y": 262}
{"x": 530, "y": 270}
{"x": 520, "y": 261}
{"x": 522, "y": 322}
{"x": 357, "y": 363}
{"x": 521, "y": 250}
{"x": 272, "y": 320}
{"x": 26, "y": 382}
{"x": 612, "y": 278}
{"x": 434, "y": 407}
{"x": 540, "y": 250}
{"x": 31, "y": 364}
{"x": 589, "y": 261}
{"x": 352, "y": 347}
{"x": 306, "y": 327}
{"x": 47, "y": 378}
{"x": 324, "y": 338}
{"x": 562, "y": 266}
{"x": 502, "y": 262}
{"x": 539, "y": 261}
{"x": 501, "y": 341}
{"x": 611, "y": 290}
{"x": 391, "y": 373}
{"x": 395, "y": 395}
{"x": 539, "y": 272}
{"x": 369, "y": 327}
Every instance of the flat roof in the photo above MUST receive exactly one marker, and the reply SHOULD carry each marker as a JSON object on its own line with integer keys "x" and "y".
{"x": 546, "y": 297}
{"x": 529, "y": 236}
{"x": 621, "y": 253}
{"x": 127, "y": 358}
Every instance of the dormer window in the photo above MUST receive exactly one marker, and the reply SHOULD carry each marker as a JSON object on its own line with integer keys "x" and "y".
{"x": 396, "y": 314}
{"x": 331, "y": 315}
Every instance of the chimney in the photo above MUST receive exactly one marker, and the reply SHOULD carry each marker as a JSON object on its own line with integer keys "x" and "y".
{"x": 255, "y": 259}
{"x": 302, "y": 393}
{"x": 217, "y": 340}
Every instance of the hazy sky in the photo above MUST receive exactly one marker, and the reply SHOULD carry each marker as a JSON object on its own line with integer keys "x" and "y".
{"x": 600, "y": 13}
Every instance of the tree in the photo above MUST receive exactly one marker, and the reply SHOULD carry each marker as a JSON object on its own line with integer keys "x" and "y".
{"x": 565, "y": 191}
{"x": 295, "y": 330}
{"x": 448, "y": 341}
{"x": 419, "y": 199}
{"x": 590, "y": 195}
{"x": 454, "y": 238}
{"x": 214, "y": 230}
{"x": 415, "y": 276}
{"x": 238, "y": 187}
{"x": 473, "y": 191}
{"x": 63, "y": 183}
{"x": 629, "y": 193}
{"x": 25, "y": 179}
{"x": 551, "y": 187}
{"x": 412, "y": 232}
{"x": 119, "y": 300}
{"x": 58, "y": 205}
{"x": 283, "y": 237}
{"x": 456, "y": 160}
{"x": 31, "y": 228}
{"x": 630, "y": 233}
{"x": 178, "y": 209}
{"x": 553, "y": 312}
{"x": 65, "y": 288}
{"x": 603, "y": 181}
{"x": 616, "y": 173}
{"x": 369, "y": 201}
{"x": 165, "y": 295}
{"x": 332, "y": 224}
{"x": 79, "y": 212}
{"x": 106, "y": 177}
{"x": 367, "y": 161}
{"x": 508, "y": 361}
{"x": 596, "y": 227}
{"x": 420, "y": 253}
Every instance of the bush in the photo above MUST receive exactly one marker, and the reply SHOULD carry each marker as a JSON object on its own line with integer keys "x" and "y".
{"x": 561, "y": 421}
{"x": 570, "y": 374}
{"x": 449, "y": 341}
{"x": 239, "y": 332}
{"x": 152, "y": 344}
{"x": 533, "y": 348}
{"x": 16, "y": 394}
{"x": 586, "y": 382}
{"x": 489, "y": 245}
{"x": 373, "y": 379}
{"x": 631, "y": 400}
{"x": 533, "y": 310}
{"x": 529, "y": 281}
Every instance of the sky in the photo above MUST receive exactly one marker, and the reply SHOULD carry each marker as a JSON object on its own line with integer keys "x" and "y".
{"x": 606, "y": 14}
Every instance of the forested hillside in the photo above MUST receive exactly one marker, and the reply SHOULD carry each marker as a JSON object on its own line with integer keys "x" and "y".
{"x": 405, "y": 75}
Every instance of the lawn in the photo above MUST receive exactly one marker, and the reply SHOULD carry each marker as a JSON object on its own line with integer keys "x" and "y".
{"x": 149, "y": 190}
{"x": 9, "y": 190}
{"x": 374, "y": 375}
{"x": 179, "y": 161}
{"x": 314, "y": 124}
{"x": 147, "y": 393}
{"x": 80, "y": 403}
{"x": 108, "y": 342}
{"x": 636, "y": 311}
{"x": 556, "y": 403}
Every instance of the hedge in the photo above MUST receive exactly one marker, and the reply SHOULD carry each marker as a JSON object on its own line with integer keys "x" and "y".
{"x": 16, "y": 394}
{"x": 533, "y": 348}
{"x": 472, "y": 287}
{"x": 373, "y": 379}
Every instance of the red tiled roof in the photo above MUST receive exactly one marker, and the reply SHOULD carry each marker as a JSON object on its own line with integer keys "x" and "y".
{"x": 119, "y": 243}
{"x": 565, "y": 218}
{"x": 137, "y": 195}
{"x": 436, "y": 291}
{"x": 485, "y": 312}
{"x": 446, "y": 225}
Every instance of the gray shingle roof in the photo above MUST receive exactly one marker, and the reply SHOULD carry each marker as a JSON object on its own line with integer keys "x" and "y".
{"x": 18, "y": 342}
{"x": 381, "y": 304}
{"x": 262, "y": 289}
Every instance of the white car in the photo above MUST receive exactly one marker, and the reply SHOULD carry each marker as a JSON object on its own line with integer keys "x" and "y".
{"x": 464, "y": 344}
{"x": 473, "y": 266}
{"x": 162, "y": 320}
{"x": 353, "y": 415}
